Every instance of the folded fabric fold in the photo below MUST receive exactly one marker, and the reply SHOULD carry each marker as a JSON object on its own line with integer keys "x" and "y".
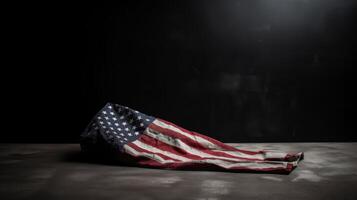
{"x": 148, "y": 141}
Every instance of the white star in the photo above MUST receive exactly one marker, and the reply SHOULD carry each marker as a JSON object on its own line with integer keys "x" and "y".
{"x": 114, "y": 132}
{"x": 112, "y": 113}
{"x": 118, "y": 136}
{"x": 129, "y": 134}
{"x": 121, "y": 117}
{"x": 134, "y": 127}
{"x": 101, "y": 122}
{"x": 136, "y": 133}
{"x": 111, "y": 128}
{"x": 106, "y": 118}
{"x": 116, "y": 124}
{"x": 147, "y": 120}
{"x": 104, "y": 127}
{"x": 114, "y": 118}
{"x": 99, "y": 117}
{"x": 125, "y": 139}
{"x": 124, "y": 123}
{"x": 119, "y": 129}
{"x": 121, "y": 141}
{"x": 121, "y": 134}
{"x": 136, "y": 111}
{"x": 139, "y": 117}
{"x": 109, "y": 123}
{"x": 96, "y": 128}
{"x": 141, "y": 124}
{"x": 106, "y": 131}
{"x": 126, "y": 129}
{"x": 104, "y": 112}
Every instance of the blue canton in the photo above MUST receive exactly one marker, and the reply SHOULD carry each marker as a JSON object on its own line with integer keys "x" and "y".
{"x": 118, "y": 125}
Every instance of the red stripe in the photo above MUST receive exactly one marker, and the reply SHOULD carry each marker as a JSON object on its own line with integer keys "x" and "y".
{"x": 165, "y": 147}
{"x": 222, "y": 154}
{"x": 225, "y": 146}
{"x": 173, "y": 134}
{"x": 216, "y": 142}
{"x": 194, "y": 143}
{"x": 147, "y": 162}
{"x": 182, "y": 152}
{"x": 139, "y": 149}
{"x": 210, "y": 166}
{"x": 144, "y": 161}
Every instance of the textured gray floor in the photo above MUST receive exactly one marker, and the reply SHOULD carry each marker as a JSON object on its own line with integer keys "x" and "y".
{"x": 57, "y": 171}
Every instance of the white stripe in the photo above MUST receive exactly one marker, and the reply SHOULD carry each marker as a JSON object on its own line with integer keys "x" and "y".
{"x": 156, "y": 150}
{"x": 240, "y": 154}
{"x": 207, "y": 143}
{"x": 216, "y": 148}
{"x": 221, "y": 163}
{"x": 182, "y": 145}
{"x": 275, "y": 154}
{"x": 152, "y": 156}
{"x": 196, "y": 138}
{"x": 207, "y": 157}
{"x": 251, "y": 165}
{"x": 178, "y": 143}
{"x": 264, "y": 155}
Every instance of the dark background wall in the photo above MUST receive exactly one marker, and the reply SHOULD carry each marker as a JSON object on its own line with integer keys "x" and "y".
{"x": 261, "y": 70}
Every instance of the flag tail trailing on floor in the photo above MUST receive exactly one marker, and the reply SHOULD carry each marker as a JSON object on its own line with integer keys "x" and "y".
{"x": 151, "y": 142}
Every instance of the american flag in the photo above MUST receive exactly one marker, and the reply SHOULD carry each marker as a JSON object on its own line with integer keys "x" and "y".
{"x": 152, "y": 142}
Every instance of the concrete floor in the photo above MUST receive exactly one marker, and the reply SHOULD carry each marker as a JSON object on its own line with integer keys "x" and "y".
{"x": 58, "y": 171}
